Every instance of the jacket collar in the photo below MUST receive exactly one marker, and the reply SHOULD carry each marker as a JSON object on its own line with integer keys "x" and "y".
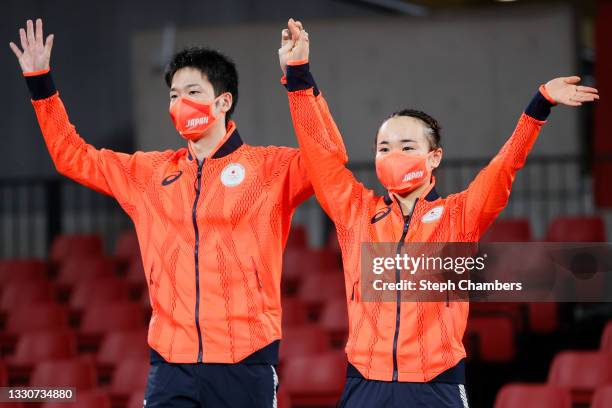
{"x": 428, "y": 195}
{"x": 229, "y": 144}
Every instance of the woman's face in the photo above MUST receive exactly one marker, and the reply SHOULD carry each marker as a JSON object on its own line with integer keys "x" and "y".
{"x": 407, "y": 135}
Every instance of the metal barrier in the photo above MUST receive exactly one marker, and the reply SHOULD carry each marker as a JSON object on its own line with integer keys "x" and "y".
{"x": 33, "y": 211}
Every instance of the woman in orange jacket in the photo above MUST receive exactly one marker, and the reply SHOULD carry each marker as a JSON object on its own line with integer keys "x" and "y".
{"x": 405, "y": 353}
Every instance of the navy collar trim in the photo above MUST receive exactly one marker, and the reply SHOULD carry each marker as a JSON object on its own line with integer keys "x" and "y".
{"x": 431, "y": 196}
{"x": 233, "y": 142}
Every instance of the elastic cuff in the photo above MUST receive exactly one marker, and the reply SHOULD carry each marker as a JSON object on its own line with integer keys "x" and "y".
{"x": 299, "y": 78}
{"x": 297, "y": 62}
{"x": 36, "y": 73}
{"x": 539, "y": 107}
{"x": 41, "y": 86}
{"x": 545, "y": 93}
{"x": 283, "y": 80}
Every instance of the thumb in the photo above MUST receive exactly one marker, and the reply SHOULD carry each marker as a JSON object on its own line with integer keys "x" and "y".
{"x": 295, "y": 30}
{"x": 571, "y": 80}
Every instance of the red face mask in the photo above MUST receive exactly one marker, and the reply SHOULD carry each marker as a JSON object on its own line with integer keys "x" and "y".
{"x": 191, "y": 117}
{"x": 401, "y": 173}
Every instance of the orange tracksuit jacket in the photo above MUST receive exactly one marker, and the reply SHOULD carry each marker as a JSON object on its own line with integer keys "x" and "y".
{"x": 211, "y": 235}
{"x": 409, "y": 341}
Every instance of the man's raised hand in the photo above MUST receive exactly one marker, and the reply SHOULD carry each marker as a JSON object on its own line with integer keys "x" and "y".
{"x": 565, "y": 90}
{"x": 35, "y": 52}
{"x": 294, "y": 44}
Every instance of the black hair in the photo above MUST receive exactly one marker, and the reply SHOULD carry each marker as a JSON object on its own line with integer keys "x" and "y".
{"x": 219, "y": 70}
{"x": 433, "y": 129}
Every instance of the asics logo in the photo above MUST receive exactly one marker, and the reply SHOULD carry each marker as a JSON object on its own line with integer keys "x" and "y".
{"x": 412, "y": 175}
{"x": 197, "y": 121}
{"x": 171, "y": 178}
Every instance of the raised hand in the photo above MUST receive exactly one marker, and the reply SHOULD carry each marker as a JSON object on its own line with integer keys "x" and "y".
{"x": 294, "y": 44}
{"x": 35, "y": 53}
{"x": 566, "y": 91}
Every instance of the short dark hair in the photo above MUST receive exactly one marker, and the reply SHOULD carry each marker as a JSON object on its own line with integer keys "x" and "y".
{"x": 433, "y": 129}
{"x": 218, "y": 68}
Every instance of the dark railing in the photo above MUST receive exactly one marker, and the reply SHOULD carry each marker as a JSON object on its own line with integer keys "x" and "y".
{"x": 33, "y": 211}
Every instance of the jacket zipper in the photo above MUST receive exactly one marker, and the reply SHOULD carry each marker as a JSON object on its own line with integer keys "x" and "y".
{"x": 197, "y": 266}
{"x": 398, "y": 298}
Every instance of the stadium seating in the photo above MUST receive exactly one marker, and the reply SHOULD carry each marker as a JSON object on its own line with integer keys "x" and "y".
{"x": 602, "y": 397}
{"x": 21, "y": 270}
{"x": 37, "y": 317}
{"x": 533, "y": 396}
{"x": 77, "y": 269}
{"x": 298, "y": 237}
{"x": 136, "y": 399}
{"x": 105, "y": 318}
{"x": 121, "y": 345}
{"x": 509, "y": 230}
{"x": 306, "y": 340}
{"x": 582, "y": 372}
{"x": 493, "y": 337}
{"x": 294, "y": 311}
{"x": 17, "y": 294}
{"x": 334, "y": 319}
{"x": 282, "y": 397}
{"x": 131, "y": 374}
{"x": 67, "y": 246}
{"x": 90, "y": 399}
{"x": 576, "y": 229}
{"x": 34, "y": 347}
{"x": 126, "y": 247}
{"x": 77, "y": 373}
{"x": 102, "y": 290}
{"x": 315, "y": 380}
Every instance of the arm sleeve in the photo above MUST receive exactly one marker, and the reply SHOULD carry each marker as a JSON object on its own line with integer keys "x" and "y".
{"x": 323, "y": 152}
{"x": 106, "y": 171}
{"x": 488, "y": 193}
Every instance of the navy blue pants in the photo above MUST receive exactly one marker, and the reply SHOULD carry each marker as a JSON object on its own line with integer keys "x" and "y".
{"x": 362, "y": 393}
{"x": 172, "y": 385}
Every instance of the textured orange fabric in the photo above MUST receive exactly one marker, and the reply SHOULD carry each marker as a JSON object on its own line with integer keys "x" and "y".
{"x": 242, "y": 231}
{"x": 430, "y": 334}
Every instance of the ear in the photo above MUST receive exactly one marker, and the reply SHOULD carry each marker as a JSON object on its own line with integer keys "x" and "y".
{"x": 436, "y": 158}
{"x": 225, "y": 102}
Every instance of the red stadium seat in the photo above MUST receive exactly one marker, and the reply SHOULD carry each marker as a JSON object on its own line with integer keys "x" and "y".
{"x": 105, "y": 318}
{"x": 131, "y": 374}
{"x": 27, "y": 270}
{"x": 3, "y": 374}
{"x": 282, "y": 397}
{"x": 504, "y": 309}
{"x": 307, "y": 340}
{"x": 602, "y": 397}
{"x": 135, "y": 273}
{"x": 576, "y": 229}
{"x": 122, "y": 345}
{"x": 533, "y": 396}
{"x": 90, "y": 399}
{"x": 299, "y": 263}
{"x": 332, "y": 242}
{"x": 509, "y": 230}
{"x": 606, "y": 338}
{"x": 581, "y": 372}
{"x": 294, "y": 311}
{"x": 98, "y": 291}
{"x": 543, "y": 317}
{"x": 65, "y": 373}
{"x": 127, "y": 248}
{"x": 318, "y": 288}
{"x": 34, "y": 347}
{"x": 79, "y": 269}
{"x": 69, "y": 246}
{"x": 315, "y": 380}
{"x": 494, "y": 338}
{"x": 334, "y": 319}
{"x": 136, "y": 399}
{"x": 18, "y": 294}
{"x": 37, "y": 317}
{"x": 298, "y": 237}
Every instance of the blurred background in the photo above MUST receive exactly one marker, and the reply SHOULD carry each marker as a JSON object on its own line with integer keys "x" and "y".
{"x": 472, "y": 64}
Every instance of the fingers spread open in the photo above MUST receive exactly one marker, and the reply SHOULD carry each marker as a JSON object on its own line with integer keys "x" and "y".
{"x": 39, "y": 33}
{"x": 30, "y": 33}
{"x": 15, "y": 49}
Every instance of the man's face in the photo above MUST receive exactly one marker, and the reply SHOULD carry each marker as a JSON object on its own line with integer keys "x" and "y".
{"x": 407, "y": 135}
{"x": 192, "y": 82}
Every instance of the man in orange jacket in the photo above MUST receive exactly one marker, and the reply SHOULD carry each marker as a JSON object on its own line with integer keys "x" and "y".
{"x": 405, "y": 354}
{"x": 212, "y": 220}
